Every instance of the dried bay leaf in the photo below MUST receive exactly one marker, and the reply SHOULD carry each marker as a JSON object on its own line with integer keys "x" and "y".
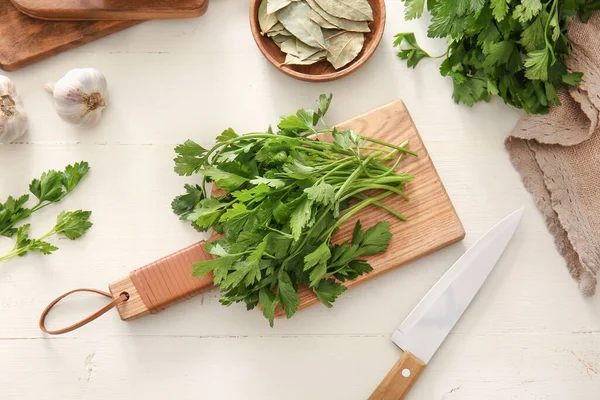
{"x": 354, "y": 10}
{"x": 322, "y": 22}
{"x": 329, "y": 33}
{"x": 295, "y": 19}
{"x": 341, "y": 23}
{"x": 344, "y": 48}
{"x": 284, "y": 32}
{"x": 290, "y": 59}
{"x": 275, "y": 5}
{"x": 265, "y": 20}
{"x": 277, "y": 27}
{"x": 278, "y": 39}
{"x": 321, "y": 55}
{"x": 289, "y": 47}
{"x": 305, "y": 51}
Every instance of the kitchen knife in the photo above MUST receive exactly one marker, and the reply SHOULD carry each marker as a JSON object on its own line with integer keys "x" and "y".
{"x": 428, "y": 324}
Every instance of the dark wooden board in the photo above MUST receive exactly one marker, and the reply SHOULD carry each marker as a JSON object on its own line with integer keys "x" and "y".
{"x": 81, "y": 10}
{"x": 25, "y": 40}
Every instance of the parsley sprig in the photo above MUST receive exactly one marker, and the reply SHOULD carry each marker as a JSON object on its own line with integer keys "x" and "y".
{"x": 50, "y": 188}
{"x": 286, "y": 193}
{"x": 72, "y": 224}
{"x": 508, "y": 48}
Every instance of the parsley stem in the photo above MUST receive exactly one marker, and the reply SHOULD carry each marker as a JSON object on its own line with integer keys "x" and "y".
{"x": 384, "y": 207}
{"x": 319, "y": 153}
{"x": 376, "y": 187}
{"x": 357, "y": 208}
{"x": 351, "y": 178}
{"x": 400, "y": 148}
{"x": 332, "y": 171}
{"x": 10, "y": 254}
{"x": 548, "y": 22}
{"x": 287, "y": 235}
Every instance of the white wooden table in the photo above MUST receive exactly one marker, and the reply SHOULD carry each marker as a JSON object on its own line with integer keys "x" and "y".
{"x": 529, "y": 334}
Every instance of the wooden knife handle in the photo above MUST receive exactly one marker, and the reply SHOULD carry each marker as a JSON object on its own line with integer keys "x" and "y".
{"x": 400, "y": 379}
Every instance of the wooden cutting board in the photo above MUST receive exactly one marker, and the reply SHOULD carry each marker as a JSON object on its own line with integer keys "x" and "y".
{"x": 76, "y": 10}
{"x": 25, "y": 40}
{"x": 432, "y": 220}
{"x": 432, "y": 224}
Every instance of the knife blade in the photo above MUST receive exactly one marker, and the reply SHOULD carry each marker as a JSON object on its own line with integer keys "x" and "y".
{"x": 430, "y": 322}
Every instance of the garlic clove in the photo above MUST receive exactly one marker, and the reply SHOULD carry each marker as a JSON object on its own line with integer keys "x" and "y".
{"x": 80, "y": 96}
{"x": 90, "y": 119}
{"x": 13, "y": 119}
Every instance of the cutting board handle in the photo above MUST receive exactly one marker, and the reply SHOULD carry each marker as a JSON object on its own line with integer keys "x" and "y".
{"x": 400, "y": 379}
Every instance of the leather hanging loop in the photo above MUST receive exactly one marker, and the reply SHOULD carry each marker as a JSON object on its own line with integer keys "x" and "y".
{"x": 122, "y": 298}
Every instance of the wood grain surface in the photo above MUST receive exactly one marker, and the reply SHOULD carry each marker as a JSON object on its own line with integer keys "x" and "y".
{"x": 76, "y": 10}
{"x": 321, "y": 71}
{"x": 402, "y": 377}
{"x": 432, "y": 221}
{"x": 134, "y": 307}
{"x": 25, "y": 40}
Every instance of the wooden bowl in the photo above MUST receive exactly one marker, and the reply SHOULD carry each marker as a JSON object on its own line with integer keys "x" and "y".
{"x": 321, "y": 71}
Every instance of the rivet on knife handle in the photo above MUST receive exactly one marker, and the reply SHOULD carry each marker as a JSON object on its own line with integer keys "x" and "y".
{"x": 400, "y": 379}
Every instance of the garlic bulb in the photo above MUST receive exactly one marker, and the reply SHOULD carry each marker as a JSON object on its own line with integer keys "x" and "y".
{"x": 13, "y": 120}
{"x": 80, "y": 96}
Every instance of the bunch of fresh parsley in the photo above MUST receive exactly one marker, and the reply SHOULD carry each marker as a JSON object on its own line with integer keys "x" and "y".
{"x": 286, "y": 194}
{"x": 52, "y": 187}
{"x": 509, "y": 48}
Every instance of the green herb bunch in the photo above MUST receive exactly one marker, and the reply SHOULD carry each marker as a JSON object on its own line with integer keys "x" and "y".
{"x": 50, "y": 188}
{"x": 509, "y": 48}
{"x": 287, "y": 193}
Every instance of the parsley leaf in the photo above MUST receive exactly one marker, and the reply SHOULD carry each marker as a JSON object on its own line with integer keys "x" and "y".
{"x": 206, "y": 213}
{"x": 499, "y": 9}
{"x": 73, "y": 224}
{"x": 299, "y": 218}
{"x": 413, "y": 9}
{"x": 527, "y": 10}
{"x": 534, "y": 37}
{"x": 225, "y": 180}
{"x": 470, "y": 91}
{"x": 268, "y": 302}
{"x": 12, "y": 211}
{"x": 537, "y": 64}
{"x": 321, "y": 193}
{"x": 328, "y": 291}
{"x": 184, "y": 205}
{"x": 274, "y": 183}
{"x": 572, "y": 79}
{"x": 287, "y": 294}
{"x": 73, "y": 174}
{"x": 323, "y": 105}
{"x": 414, "y": 53}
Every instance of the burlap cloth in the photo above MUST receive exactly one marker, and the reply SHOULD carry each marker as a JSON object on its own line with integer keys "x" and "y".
{"x": 558, "y": 157}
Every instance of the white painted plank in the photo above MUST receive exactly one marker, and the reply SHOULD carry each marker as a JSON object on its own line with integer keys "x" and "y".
{"x": 470, "y": 367}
